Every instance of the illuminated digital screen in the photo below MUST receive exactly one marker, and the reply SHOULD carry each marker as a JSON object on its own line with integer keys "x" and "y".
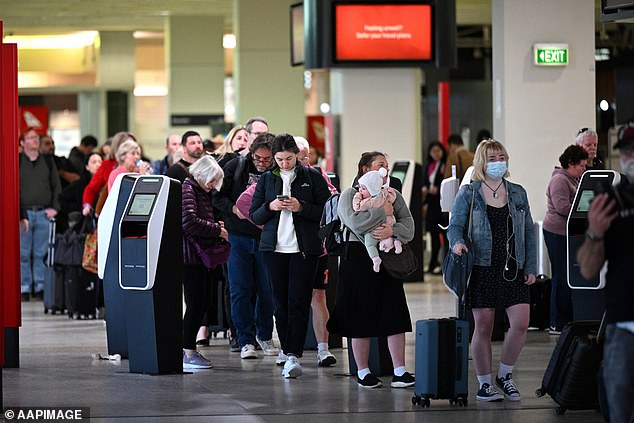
{"x": 383, "y": 32}
{"x": 141, "y": 204}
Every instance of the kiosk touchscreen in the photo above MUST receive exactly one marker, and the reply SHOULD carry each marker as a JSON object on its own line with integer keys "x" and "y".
{"x": 411, "y": 175}
{"x": 587, "y": 296}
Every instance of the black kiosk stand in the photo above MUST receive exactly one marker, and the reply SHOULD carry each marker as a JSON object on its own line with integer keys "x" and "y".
{"x": 588, "y": 297}
{"x": 149, "y": 262}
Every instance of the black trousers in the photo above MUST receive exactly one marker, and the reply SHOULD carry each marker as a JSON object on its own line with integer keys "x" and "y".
{"x": 292, "y": 278}
{"x": 196, "y": 286}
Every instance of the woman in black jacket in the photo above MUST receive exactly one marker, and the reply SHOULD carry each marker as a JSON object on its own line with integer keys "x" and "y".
{"x": 289, "y": 201}
{"x": 432, "y": 177}
{"x": 202, "y": 230}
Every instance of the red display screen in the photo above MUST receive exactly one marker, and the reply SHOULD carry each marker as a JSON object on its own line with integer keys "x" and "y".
{"x": 383, "y": 32}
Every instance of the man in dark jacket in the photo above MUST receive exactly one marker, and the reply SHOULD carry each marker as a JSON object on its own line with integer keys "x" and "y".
{"x": 39, "y": 190}
{"x": 246, "y": 267}
{"x": 192, "y": 151}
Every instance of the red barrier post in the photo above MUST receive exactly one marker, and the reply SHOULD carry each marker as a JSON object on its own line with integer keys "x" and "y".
{"x": 443, "y": 112}
{"x": 10, "y": 306}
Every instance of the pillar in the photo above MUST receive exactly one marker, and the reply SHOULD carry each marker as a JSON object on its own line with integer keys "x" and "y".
{"x": 194, "y": 60}
{"x": 537, "y": 110}
{"x": 266, "y": 83}
{"x": 376, "y": 109}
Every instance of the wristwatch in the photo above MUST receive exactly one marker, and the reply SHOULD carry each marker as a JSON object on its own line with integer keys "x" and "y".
{"x": 592, "y": 237}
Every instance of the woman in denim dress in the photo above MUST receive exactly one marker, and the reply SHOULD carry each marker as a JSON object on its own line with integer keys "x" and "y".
{"x": 503, "y": 247}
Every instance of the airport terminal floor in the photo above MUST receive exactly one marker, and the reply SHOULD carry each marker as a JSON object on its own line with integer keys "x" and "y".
{"x": 57, "y": 370}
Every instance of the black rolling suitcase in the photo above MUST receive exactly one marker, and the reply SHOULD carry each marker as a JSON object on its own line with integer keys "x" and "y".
{"x": 571, "y": 376}
{"x": 53, "y": 277}
{"x": 442, "y": 361}
{"x": 81, "y": 294}
{"x": 540, "y": 303}
{"x": 217, "y": 316}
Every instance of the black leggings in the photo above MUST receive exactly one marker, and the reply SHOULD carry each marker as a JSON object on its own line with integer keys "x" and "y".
{"x": 196, "y": 283}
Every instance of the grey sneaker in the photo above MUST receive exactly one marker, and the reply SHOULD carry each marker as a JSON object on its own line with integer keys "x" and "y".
{"x": 268, "y": 347}
{"x": 325, "y": 359}
{"x": 248, "y": 352}
{"x": 281, "y": 359}
{"x": 196, "y": 361}
{"x": 292, "y": 369}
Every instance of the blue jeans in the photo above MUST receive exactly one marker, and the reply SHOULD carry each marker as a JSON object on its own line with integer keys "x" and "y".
{"x": 618, "y": 373}
{"x": 560, "y": 294}
{"x": 247, "y": 273}
{"x": 33, "y": 247}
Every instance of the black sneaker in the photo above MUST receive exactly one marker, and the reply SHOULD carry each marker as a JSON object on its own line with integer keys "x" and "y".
{"x": 404, "y": 381}
{"x": 508, "y": 387}
{"x": 369, "y": 381}
{"x": 488, "y": 393}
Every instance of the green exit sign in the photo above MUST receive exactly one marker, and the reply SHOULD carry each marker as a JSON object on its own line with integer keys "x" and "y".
{"x": 551, "y": 54}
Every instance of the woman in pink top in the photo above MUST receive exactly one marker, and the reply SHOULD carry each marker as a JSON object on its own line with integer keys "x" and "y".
{"x": 99, "y": 179}
{"x": 560, "y": 194}
{"x": 128, "y": 158}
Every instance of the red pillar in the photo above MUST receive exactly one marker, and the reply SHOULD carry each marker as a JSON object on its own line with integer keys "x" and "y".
{"x": 443, "y": 112}
{"x": 10, "y": 307}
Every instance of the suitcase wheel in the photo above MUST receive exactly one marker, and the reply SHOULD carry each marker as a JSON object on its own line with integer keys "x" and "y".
{"x": 422, "y": 401}
{"x": 539, "y": 393}
{"x": 560, "y": 411}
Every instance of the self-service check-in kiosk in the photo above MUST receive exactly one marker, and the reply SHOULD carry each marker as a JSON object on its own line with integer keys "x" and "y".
{"x": 411, "y": 175}
{"x": 146, "y": 263}
{"x": 588, "y": 298}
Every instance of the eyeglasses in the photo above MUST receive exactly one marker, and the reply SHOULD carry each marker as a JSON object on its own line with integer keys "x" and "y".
{"x": 256, "y": 133}
{"x": 261, "y": 159}
{"x": 581, "y": 131}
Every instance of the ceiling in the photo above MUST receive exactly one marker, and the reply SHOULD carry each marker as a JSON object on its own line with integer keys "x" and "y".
{"x": 23, "y": 17}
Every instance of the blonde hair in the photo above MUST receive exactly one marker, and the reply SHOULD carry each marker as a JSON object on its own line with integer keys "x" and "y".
{"x": 226, "y": 144}
{"x": 205, "y": 170}
{"x": 480, "y": 157}
{"x": 118, "y": 139}
{"x": 126, "y": 147}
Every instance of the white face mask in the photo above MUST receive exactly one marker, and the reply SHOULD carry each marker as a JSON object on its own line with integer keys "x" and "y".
{"x": 628, "y": 166}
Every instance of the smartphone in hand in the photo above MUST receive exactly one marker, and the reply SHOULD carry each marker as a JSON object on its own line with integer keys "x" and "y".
{"x": 282, "y": 197}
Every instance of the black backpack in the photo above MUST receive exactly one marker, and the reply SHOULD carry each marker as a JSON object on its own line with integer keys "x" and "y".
{"x": 331, "y": 228}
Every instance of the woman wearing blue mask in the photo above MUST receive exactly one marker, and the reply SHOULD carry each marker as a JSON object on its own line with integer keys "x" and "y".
{"x": 503, "y": 247}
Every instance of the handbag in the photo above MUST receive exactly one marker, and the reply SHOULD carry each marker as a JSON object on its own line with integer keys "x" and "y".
{"x": 456, "y": 270}
{"x": 399, "y": 266}
{"x": 214, "y": 255}
{"x": 89, "y": 258}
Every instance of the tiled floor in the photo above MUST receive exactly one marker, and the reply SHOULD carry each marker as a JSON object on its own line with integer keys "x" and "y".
{"x": 57, "y": 370}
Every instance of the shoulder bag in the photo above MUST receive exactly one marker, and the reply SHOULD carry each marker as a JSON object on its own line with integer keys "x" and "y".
{"x": 456, "y": 270}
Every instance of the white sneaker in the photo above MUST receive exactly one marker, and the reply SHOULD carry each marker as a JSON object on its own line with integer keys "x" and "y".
{"x": 325, "y": 359}
{"x": 268, "y": 347}
{"x": 281, "y": 359}
{"x": 292, "y": 369}
{"x": 248, "y": 352}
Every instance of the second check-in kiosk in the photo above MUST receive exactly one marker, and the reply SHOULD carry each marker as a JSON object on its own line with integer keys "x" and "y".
{"x": 145, "y": 260}
{"x": 588, "y": 298}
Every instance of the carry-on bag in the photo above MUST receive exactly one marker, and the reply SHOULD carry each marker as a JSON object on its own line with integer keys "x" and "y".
{"x": 81, "y": 295}
{"x": 53, "y": 277}
{"x": 442, "y": 361}
{"x": 571, "y": 376}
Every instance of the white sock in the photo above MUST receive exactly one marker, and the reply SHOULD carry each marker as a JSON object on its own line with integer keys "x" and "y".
{"x": 399, "y": 371}
{"x": 322, "y": 346}
{"x": 363, "y": 373}
{"x": 504, "y": 370}
{"x": 482, "y": 379}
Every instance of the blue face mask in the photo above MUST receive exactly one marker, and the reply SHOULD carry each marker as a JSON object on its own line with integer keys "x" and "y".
{"x": 496, "y": 170}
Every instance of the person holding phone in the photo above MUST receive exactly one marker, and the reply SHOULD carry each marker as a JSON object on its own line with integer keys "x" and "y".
{"x": 289, "y": 201}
